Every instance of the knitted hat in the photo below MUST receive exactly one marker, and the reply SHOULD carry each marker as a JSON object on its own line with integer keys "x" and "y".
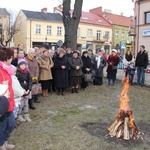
{"x": 3, "y": 88}
{"x": 4, "y": 105}
{"x": 114, "y": 50}
{"x": 131, "y": 62}
{"x": 21, "y": 61}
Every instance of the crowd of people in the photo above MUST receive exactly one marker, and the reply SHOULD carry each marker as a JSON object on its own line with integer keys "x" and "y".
{"x": 56, "y": 71}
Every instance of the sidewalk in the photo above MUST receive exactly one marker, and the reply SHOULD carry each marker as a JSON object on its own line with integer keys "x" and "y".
{"x": 121, "y": 73}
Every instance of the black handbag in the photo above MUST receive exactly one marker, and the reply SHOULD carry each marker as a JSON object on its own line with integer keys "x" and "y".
{"x": 88, "y": 77}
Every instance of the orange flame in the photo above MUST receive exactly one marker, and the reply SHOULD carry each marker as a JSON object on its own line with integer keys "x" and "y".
{"x": 123, "y": 96}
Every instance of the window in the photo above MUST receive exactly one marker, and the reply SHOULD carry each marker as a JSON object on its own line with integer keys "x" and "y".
{"x": 49, "y": 30}
{"x": 123, "y": 35}
{"x": 147, "y": 18}
{"x": 0, "y": 28}
{"x": 106, "y": 35}
{"x": 78, "y": 32}
{"x": 98, "y": 34}
{"x": 38, "y": 29}
{"x": 89, "y": 33}
{"x": 117, "y": 34}
{"x": 59, "y": 31}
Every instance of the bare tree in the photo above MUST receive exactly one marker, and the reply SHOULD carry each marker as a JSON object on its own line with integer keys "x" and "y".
{"x": 8, "y": 30}
{"x": 71, "y": 22}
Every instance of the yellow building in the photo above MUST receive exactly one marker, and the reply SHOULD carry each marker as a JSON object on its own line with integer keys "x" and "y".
{"x": 4, "y": 26}
{"x": 46, "y": 29}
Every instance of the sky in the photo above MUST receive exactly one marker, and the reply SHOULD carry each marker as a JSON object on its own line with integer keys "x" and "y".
{"x": 117, "y": 6}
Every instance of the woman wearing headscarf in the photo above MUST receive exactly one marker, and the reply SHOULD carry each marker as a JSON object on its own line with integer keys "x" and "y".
{"x": 113, "y": 61}
{"x": 61, "y": 72}
{"x": 76, "y": 65}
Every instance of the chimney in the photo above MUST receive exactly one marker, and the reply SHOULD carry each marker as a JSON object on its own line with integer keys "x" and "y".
{"x": 44, "y": 10}
{"x": 121, "y": 13}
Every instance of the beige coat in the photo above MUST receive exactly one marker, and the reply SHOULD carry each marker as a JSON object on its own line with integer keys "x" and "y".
{"x": 44, "y": 62}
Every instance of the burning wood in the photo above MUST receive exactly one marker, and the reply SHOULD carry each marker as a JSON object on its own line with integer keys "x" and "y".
{"x": 124, "y": 125}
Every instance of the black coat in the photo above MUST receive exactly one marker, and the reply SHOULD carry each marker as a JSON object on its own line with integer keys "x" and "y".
{"x": 24, "y": 79}
{"x": 86, "y": 63}
{"x": 61, "y": 75}
{"x": 142, "y": 59}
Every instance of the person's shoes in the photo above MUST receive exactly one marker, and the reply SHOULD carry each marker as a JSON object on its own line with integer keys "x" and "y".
{"x": 20, "y": 118}
{"x": 3, "y": 147}
{"x": 62, "y": 93}
{"x": 9, "y": 146}
{"x": 37, "y": 101}
{"x": 72, "y": 91}
{"x": 76, "y": 90}
{"x": 142, "y": 85}
{"x": 27, "y": 118}
{"x": 58, "y": 93}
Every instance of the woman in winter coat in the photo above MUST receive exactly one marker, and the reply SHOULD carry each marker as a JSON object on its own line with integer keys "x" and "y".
{"x": 87, "y": 68}
{"x": 128, "y": 58}
{"x": 113, "y": 61}
{"x": 76, "y": 65}
{"x": 61, "y": 72}
{"x": 34, "y": 73}
{"x": 7, "y": 123}
{"x": 45, "y": 76}
{"x": 99, "y": 64}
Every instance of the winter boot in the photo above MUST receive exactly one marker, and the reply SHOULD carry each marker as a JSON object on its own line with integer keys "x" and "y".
{"x": 72, "y": 91}
{"x": 31, "y": 106}
{"x": 3, "y": 147}
{"x": 76, "y": 90}
{"x": 9, "y": 146}
{"x": 20, "y": 118}
{"x": 27, "y": 118}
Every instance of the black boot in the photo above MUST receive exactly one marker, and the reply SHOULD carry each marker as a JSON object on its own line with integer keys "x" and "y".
{"x": 72, "y": 91}
{"x": 31, "y": 106}
{"x": 76, "y": 90}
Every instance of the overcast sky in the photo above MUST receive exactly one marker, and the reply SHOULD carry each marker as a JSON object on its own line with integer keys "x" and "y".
{"x": 117, "y": 6}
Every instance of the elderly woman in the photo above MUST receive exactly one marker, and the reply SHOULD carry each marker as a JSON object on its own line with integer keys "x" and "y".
{"x": 113, "y": 61}
{"x": 7, "y": 123}
{"x": 76, "y": 65}
{"x": 45, "y": 64}
{"x": 34, "y": 72}
{"x": 61, "y": 72}
{"x": 99, "y": 64}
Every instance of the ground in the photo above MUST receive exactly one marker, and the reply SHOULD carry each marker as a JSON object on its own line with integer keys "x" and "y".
{"x": 79, "y": 121}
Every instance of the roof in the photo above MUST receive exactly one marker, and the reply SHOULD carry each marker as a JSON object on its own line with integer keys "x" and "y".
{"x": 118, "y": 19}
{"x": 92, "y": 18}
{"x": 42, "y": 16}
{"x": 4, "y": 12}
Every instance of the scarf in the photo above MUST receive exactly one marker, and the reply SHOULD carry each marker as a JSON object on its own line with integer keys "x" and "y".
{"x": 9, "y": 68}
{"x": 128, "y": 57}
{"x": 30, "y": 57}
{"x": 98, "y": 59}
{"x": 23, "y": 71}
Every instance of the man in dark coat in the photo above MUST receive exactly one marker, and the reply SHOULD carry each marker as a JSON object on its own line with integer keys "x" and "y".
{"x": 141, "y": 64}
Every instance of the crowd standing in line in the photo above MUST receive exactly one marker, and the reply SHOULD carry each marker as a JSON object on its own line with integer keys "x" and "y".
{"x": 64, "y": 69}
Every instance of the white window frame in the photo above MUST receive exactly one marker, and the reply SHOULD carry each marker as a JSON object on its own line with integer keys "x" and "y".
{"x": 78, "y": 32}
{"x": 98, "y": 36}
{"x": 38, "y": 29}
{"x": 123, "y": 34}
{"x": 59, "y": 30}
{"x": 49, "y": 30}
{"x": 90, "y": 33}
{"x": 117, "y": 34}
{"x": 147, "y": 17}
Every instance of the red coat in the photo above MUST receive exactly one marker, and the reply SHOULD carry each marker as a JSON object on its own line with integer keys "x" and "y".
{"x": 112, "y": 61}
{"x": 8, "y": 77}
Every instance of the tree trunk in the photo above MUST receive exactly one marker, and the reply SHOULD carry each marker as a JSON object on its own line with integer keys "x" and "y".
{"x": 71, "y": 22}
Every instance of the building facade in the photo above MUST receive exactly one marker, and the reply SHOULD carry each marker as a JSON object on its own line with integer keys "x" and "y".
{"x": 142, "y": 25}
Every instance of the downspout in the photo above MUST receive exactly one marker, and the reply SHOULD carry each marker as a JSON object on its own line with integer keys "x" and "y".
{"x": 30, "y": 33}
{"x": 138, "y": 26}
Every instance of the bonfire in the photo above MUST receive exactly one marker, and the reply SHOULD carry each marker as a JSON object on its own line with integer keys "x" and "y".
{"x": 124, "y": 125}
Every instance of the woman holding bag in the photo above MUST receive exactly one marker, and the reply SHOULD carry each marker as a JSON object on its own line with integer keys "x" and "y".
{"x": 34, "y": 73}
{"x": 8, "y": 123}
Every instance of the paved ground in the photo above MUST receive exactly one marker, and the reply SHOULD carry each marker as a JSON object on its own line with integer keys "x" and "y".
{"x": 121, "y": 73}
